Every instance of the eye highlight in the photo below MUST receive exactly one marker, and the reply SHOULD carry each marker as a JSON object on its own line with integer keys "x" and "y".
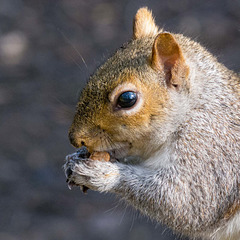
{"x": 127, "y": 99}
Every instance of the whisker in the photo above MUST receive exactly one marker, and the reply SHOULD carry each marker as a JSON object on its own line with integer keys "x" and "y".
{"x": 101, "y": 142}
{"x": 112, "y": 209}
{"x": 68, "y": 107}
{"x": 72, "y": 45}
{"x": 114, "y": 145}
{"x": 107, "y": 142}
{"x": 74, "y": 60}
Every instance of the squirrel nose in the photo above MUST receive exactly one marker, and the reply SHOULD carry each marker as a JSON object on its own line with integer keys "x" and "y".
{"x": 72, "y": 140}
{"x": 77, "y": 143}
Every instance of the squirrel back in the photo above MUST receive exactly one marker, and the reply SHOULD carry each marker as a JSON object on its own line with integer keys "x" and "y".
{"x": 166, "y": 107}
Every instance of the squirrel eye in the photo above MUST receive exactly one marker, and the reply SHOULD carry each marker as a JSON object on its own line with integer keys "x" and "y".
{"x": 127, "y": 99}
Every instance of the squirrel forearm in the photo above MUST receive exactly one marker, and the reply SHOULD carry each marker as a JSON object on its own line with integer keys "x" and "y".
{"x": 192, "y": 204}
{"x": 139, "y": 184}
{"x": 170, "y": 196}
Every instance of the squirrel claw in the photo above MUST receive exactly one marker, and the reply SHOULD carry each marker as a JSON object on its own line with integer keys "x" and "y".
{"x": 70, "y": 184}
{"x": 68, "y": 173}
{"x": 84, "y": 189}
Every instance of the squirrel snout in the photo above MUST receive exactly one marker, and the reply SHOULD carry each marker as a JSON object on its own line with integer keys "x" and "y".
{"x": 78, "y": 141}
{"x": 74, "y": 141}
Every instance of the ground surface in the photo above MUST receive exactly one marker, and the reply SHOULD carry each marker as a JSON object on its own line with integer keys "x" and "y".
{"x": 41, "y": 73}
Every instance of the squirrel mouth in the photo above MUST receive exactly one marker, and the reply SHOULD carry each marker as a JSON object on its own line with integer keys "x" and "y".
{"x": 117, "y": 151}
{"x": 116, "y": 154}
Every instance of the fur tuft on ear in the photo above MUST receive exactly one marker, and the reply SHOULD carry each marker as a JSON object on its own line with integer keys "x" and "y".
{"x": 144, "y": 24}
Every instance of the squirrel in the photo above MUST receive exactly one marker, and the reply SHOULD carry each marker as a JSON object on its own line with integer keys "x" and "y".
{"x": 168, "y": 113}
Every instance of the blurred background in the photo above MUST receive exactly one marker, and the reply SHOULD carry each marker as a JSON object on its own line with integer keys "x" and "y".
{"x": 42, "y": 44}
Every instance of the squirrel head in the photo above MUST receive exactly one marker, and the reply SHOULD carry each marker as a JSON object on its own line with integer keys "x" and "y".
{"x": 126, "y": 106}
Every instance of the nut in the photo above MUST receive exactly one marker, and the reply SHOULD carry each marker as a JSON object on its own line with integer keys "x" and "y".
{"x": 100, "y": 156}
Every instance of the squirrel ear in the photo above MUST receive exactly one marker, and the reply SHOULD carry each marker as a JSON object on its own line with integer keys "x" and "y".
{"x": 167, "y": 57}
{"x": 144, "y": 24}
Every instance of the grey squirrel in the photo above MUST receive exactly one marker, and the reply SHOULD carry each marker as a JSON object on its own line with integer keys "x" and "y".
{"x": 168, "y": 113}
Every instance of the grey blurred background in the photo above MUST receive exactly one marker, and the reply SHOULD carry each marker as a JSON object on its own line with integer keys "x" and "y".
{"x": 41, "y": 73}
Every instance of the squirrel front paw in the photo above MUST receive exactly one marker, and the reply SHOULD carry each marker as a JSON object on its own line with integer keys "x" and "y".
{"x": 87, "y": 173}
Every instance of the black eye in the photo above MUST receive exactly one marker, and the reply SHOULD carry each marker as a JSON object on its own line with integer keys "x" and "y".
{"x": 127, "y": 99}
